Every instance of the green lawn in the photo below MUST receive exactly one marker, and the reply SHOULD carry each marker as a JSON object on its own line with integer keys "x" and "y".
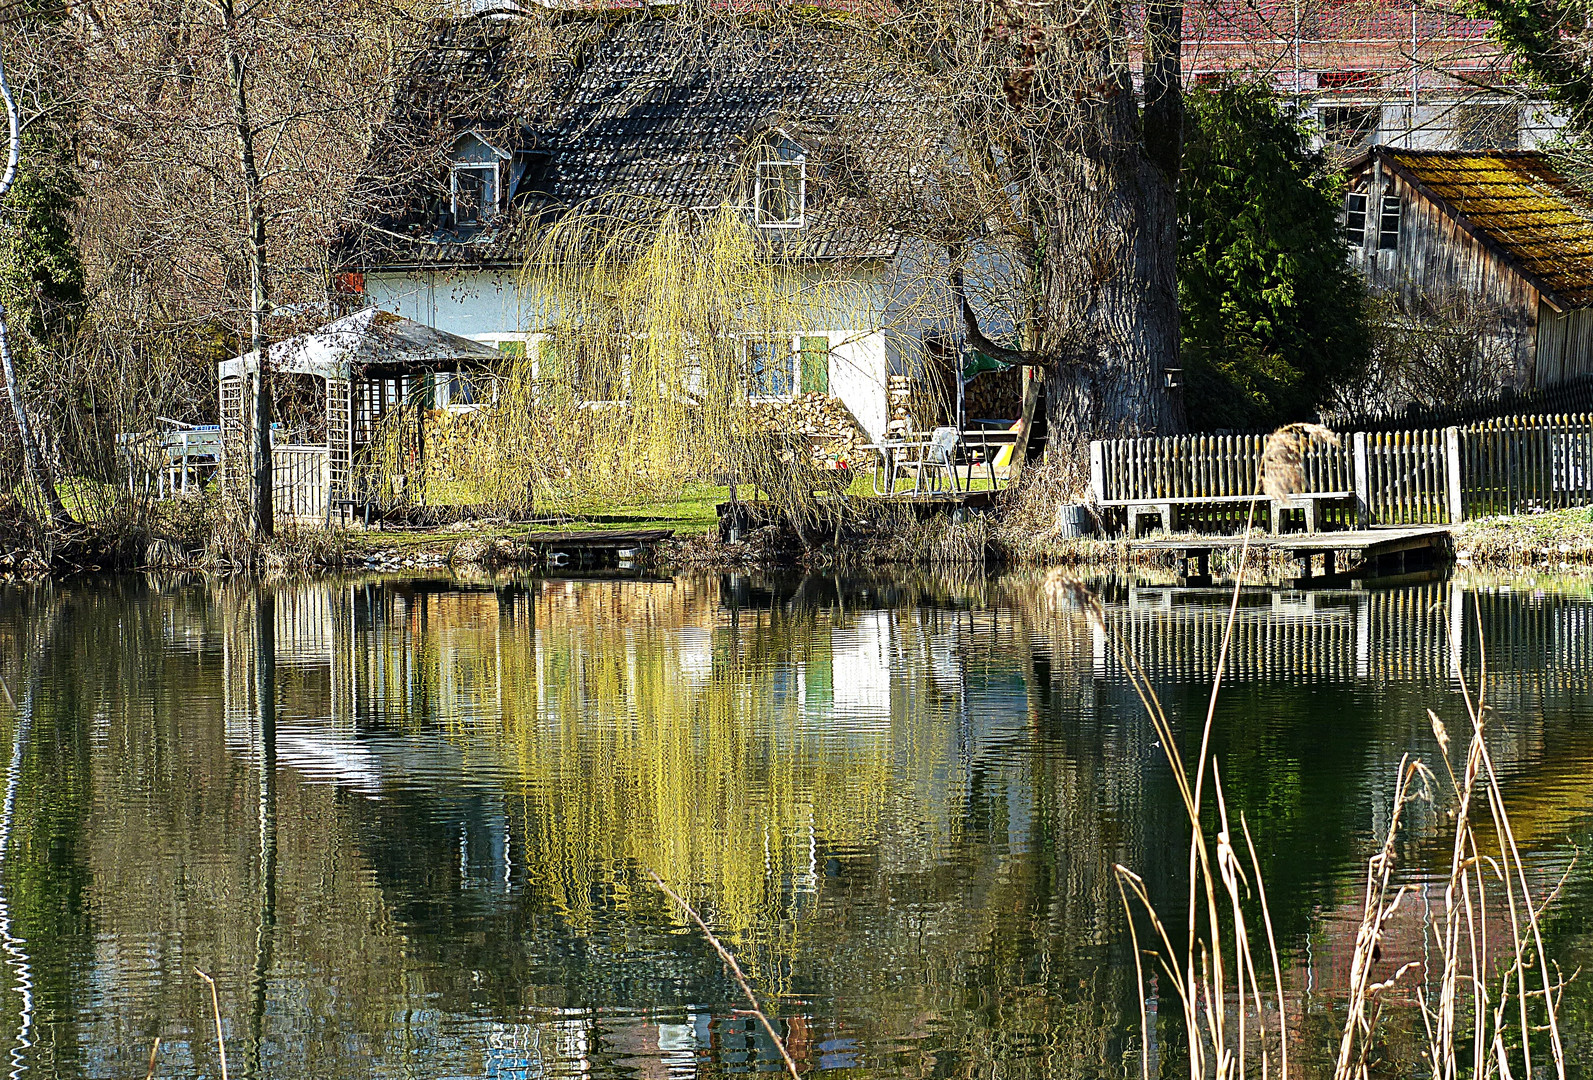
{"x": 688, "y": 511}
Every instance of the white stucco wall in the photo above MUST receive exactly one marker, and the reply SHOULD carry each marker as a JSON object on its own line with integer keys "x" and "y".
{"x": 859, "y": 370}
{"x": 467, "y": 303}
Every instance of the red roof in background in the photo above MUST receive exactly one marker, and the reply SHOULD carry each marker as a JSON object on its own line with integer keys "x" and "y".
{"x": 1354, "y": 42}
{"x": 1345, "y": 21}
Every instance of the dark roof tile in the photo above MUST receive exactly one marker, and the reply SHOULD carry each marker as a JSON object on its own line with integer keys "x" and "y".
{"x": 611, "y": 133}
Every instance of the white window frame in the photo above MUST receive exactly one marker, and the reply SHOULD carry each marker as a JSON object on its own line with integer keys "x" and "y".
{"x": 445, "y": 391}
{"x": 489, "y": 202}
{"x": 801, "y": 165}
{"x": 1390, "y": 208}
{"x": 1350, "y": 211}
{"x": 793, "y": 357}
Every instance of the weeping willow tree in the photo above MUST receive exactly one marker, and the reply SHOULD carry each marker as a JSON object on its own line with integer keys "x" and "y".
{"x": 650, "y": 329}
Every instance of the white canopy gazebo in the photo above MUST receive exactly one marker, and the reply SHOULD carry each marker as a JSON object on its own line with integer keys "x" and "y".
{"x": 359, "y": 369}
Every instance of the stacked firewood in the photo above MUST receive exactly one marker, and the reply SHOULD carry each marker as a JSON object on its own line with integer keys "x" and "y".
{"x": 900, "y": 393}
{"x": 831, "y": 428}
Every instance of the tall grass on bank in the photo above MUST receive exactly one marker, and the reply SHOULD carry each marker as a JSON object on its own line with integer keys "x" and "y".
{"x": 1481, "y": 1016}
{"x": 1485, "y": 1018}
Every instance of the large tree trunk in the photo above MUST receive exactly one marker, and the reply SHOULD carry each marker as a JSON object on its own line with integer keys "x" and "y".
{"x": 34, "y": 464}
{"x": 1107, "y": 278}
{"x": 1110, "y": 298}
{"x": 257, "y": 389}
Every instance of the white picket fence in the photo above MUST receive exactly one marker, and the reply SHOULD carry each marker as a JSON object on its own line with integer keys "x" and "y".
{"x": 1430, "y": 476}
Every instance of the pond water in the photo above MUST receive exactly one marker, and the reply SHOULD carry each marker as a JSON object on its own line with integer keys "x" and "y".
{"x": 407, "y": 825}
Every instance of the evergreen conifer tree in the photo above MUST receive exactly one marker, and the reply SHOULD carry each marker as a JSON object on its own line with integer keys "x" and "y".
{"x": 1273, "y": 315}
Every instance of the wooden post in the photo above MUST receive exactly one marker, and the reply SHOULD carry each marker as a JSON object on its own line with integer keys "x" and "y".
{"x": 1363, "y": 486}
{"x": 1097, "y": 470}
{"x": 1457, "y": 506}
{"x": 1020, "y": 446}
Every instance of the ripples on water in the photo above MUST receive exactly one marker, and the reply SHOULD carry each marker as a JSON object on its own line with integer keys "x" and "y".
{"x": 407, "y": 824}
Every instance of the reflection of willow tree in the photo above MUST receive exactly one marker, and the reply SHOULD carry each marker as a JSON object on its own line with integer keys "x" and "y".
{"x": 637, "y": 744}
{"x": 963, "y": 894}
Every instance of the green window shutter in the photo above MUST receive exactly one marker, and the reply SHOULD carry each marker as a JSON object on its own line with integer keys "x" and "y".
{"x": 815, "y": 365}
{"x": 423, "y": 391}
{"x": 819, "y": 678}
{"x": 549, "y": 370}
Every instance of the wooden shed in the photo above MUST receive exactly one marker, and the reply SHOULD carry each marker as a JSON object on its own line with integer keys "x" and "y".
{"x": 332, "y": 389}
{"x": 1503, "y": 226}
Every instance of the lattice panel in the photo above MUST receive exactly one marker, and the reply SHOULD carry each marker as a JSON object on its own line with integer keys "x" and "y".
{"x": 234, "y": 436}
{"x": 339, "y": 437}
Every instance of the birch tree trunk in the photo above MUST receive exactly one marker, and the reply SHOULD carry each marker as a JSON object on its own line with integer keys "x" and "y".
{"x": 34, "y": 464}
{"x": 257, "y": 389}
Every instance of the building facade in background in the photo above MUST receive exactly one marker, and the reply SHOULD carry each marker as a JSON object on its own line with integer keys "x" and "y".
{"x": 1372, "y": 72}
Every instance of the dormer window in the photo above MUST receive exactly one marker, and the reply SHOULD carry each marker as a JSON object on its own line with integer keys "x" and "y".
{"x": 475, "y": 193}
{"x": 477, "y": 178}
{"x": 780, "y": 194}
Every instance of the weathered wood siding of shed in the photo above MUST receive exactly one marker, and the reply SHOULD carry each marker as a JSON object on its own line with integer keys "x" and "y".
{"x": 1565, "y": 344}
{"x": 1435, "y": 256}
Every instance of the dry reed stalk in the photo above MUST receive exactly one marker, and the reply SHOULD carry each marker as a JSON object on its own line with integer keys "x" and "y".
{"x": 735, "y": 971}
{"x": 153, "y": 1050}
{"x": 1466, "y": 900}
{"x": 215, "y": 1005}
{"x": 1376, "y": 910}
{"x": 1204, "y": 977}
{"x": 1463, "y": 940}
{"x": 1200, "y": 975}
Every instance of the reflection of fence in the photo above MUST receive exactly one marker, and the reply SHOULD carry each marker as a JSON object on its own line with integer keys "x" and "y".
{"x": 1390, "y": 636}
{"x": 1398, "y": 635}
{"x": 1431, "y": 476}
{"x": 1530, "y": 641}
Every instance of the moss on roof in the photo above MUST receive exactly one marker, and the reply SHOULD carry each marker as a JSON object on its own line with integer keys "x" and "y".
{"x": 1520, "y": 202}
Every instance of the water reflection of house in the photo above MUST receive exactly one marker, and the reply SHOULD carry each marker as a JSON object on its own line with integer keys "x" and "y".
{"x": 857, "y": 684}
{"x": 656, "y": 1046}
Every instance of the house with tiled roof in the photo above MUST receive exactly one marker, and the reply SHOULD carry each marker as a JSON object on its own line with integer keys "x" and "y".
{"x": 650, "y": 113}
{"x": 1372, "y": 72}
{"x": 1506, "y": 228}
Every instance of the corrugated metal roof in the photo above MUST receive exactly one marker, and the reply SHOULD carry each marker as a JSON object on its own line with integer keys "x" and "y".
{"x": 655, "y": 111}
{"x": 1520, "y": 204}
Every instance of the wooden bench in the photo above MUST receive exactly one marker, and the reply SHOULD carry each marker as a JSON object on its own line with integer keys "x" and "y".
{"x": 1312, "y": 502}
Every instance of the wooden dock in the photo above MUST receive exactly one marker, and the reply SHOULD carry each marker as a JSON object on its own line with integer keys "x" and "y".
{"x": 1373, "y": 553}
{"x": 594, "y": 547}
